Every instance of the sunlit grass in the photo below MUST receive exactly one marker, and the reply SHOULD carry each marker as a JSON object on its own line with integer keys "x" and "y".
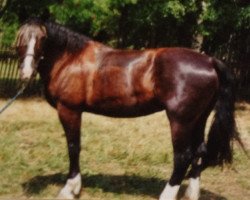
{"x": 120, "y": 158}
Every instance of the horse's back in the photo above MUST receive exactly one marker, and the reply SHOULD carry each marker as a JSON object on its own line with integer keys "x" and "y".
{"x": 122, "y": 58}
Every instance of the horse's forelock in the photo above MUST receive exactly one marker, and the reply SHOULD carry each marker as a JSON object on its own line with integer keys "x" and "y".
{"x": 23, "y": 36}
{"x": 25, "y": 32}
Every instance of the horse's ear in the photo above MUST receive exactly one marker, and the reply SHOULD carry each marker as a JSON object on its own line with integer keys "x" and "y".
{"x": 44, "y": 30}
{"x": 16, "y": 42}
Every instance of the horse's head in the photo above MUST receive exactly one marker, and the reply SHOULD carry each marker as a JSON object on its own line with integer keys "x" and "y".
{"x": 29, "y": 44}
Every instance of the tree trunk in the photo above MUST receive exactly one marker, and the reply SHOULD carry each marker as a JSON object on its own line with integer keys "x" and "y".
{"x": 198, "y": 37}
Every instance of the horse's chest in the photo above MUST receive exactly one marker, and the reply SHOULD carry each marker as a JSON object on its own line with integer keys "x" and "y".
{"x": 69, "y": 87}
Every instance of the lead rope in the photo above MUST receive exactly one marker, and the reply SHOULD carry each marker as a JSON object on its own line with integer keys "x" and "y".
{"x": 9, "y": 102}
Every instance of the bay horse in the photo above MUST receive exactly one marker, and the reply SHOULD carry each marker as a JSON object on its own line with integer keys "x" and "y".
{"x": 82, "y": 75}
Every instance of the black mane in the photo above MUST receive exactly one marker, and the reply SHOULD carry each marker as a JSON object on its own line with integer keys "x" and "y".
{"x": 64, "y": 38}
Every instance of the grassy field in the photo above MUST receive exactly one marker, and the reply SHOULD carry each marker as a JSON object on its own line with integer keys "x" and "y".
{"x": 120, "y": 159}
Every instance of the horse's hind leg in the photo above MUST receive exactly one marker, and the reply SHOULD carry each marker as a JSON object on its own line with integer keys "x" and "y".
{"x": 199, "y": 151}
{"x": 71, "y": 121}
{"x": 183, "y": 156}
{"x": 193, "y": 189}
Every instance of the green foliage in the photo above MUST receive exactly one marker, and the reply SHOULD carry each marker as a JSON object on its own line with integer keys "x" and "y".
{"x": 14, "y": 12}
{"x": 7, "y": 32}
{"x": 74, "y": 13}
{"x": 140, "y": 23}
{"x": 243, "y": 18}
{"x": 133, "y": 23}
{"x": 174, "y": 8}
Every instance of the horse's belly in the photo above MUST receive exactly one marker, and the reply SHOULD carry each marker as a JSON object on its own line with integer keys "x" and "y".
{"x": 120, "y": 110}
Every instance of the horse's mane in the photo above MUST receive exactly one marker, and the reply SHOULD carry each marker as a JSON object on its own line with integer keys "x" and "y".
{"x": 58, "y": 35}
{"x": 64, "y": 38}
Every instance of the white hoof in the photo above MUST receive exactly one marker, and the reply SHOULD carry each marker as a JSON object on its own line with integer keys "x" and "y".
{"x": 65, "y": 194}
{"x": 169, "y": 192}
{"x": 71, "y": 189}
{"x": 193, "y": 190}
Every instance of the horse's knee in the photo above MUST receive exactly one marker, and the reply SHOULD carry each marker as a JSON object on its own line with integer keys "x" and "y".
{"x": 201, "y": 150}
{"x": 198, "y": 161}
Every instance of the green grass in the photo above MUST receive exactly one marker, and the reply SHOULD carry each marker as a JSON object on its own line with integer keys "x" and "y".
{"x": 120, "y": 159}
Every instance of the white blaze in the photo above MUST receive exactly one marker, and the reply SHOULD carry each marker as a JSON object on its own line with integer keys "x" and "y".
{"x": 27, "y": 69}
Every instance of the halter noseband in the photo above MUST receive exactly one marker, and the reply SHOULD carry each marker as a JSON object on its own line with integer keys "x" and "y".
{"x": 29, "y": 54}
{"x": 33, "y": 55}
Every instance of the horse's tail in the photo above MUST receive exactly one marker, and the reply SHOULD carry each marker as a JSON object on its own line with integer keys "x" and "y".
{"x": 223, "y": 129}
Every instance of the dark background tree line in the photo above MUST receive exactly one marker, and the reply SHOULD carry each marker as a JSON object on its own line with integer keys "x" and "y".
{"x": 216, "y": 27}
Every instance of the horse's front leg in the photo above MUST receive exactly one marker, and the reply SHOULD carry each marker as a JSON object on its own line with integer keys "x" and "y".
{"x": 71, "y": 121}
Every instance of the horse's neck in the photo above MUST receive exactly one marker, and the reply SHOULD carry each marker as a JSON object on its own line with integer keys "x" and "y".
{"x": 51, "y": 54}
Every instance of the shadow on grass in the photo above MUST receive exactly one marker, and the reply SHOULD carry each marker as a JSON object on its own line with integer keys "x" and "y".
{"x": 133, "y": 184}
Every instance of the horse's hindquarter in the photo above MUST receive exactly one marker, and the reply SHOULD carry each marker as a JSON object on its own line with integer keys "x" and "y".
{"x": 186, "y": 82}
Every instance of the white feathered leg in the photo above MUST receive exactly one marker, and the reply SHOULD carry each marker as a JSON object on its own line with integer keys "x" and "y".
{"x": 169, "y": 192}
{"x": 72, "y": 188}
{"x": 193, "y": 189}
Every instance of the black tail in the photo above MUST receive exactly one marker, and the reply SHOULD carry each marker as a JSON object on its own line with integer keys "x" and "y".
{"x": 223, "y": 129}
